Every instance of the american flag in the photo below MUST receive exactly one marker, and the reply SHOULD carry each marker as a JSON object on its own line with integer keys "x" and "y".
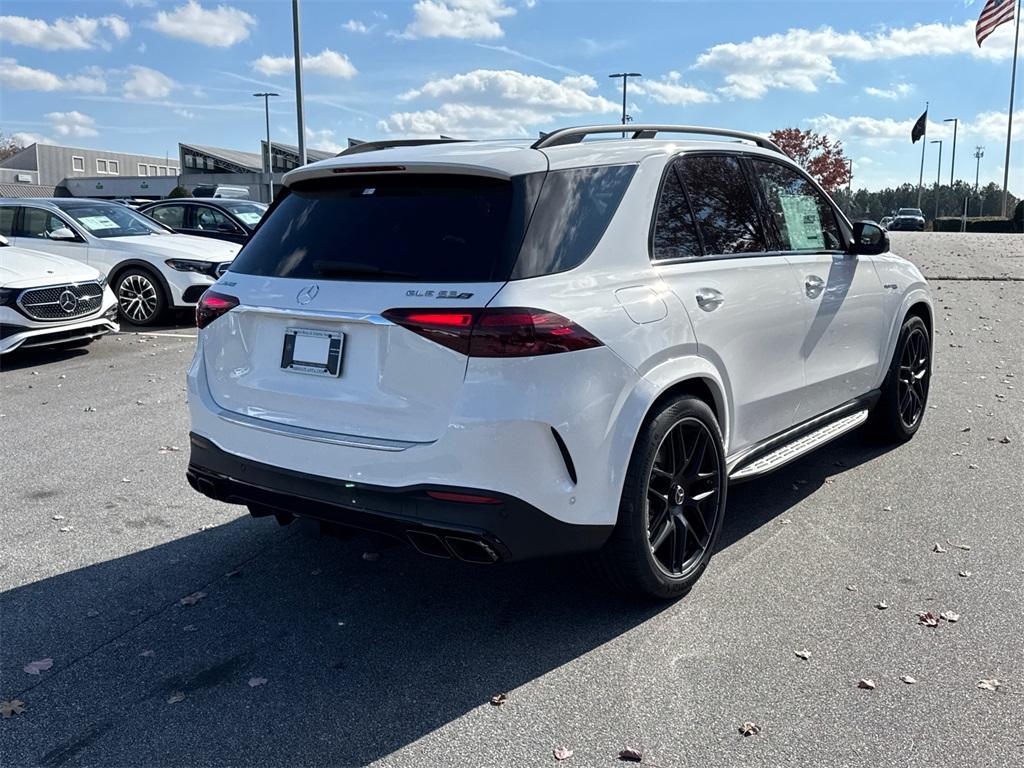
{"x": 994, "y": 13}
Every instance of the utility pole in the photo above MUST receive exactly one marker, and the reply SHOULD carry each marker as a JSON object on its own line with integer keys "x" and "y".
{"x": 298, "y": 82}
{"x": 938, "y": 175}
{"x": 952, "y": 163}
{"x": 979, "y": 152}
{"x": 270, "y": 152}
{"x": 625, "y": 79}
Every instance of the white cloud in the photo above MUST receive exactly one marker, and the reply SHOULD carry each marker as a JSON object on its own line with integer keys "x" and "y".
{"x": 21, "y": 78}
{"x": 496, "y": 103}
{"x": 327, "y": 62}
{"x": 802, "y": 59}
{"x": 72, "y": 124}
{"x": 322, "y": 139}
{"x": 670, "y": 89}
{"x": 894, "y": 92}
{"x": 24, "y": 138}
{"x": 185, "y": 113}
{"x": 352, "y": 25}
{"x": 463, "y": 19}
{"x": 873, "y": 130}
{"x": 78, "y": 33}
{"x": 220, "y": 27}
{"x": 146, "y": 83}
{"x": 991, "y": 126}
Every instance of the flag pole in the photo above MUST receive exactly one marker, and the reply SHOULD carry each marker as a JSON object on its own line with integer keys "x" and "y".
{"x": 924, "y": 143}
{"x": 1009, "y": 116}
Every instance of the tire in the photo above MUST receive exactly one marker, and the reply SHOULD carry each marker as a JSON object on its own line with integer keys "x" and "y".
{"x": 900, "y": 410}
{"x": 140, "y": 297}
{"x": 679, "y": 502}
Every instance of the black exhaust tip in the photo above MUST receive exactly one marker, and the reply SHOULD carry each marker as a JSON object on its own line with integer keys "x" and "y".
{"x": 428, "y": 544}
{"x": 471, "y": 550}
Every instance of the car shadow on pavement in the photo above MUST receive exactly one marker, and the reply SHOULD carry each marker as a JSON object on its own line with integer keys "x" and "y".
{"x": 302, "y": 651}
{"x": 36, "y": 357}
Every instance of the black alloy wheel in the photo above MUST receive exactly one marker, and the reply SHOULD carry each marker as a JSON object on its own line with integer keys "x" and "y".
{"x": 912, "y": 379}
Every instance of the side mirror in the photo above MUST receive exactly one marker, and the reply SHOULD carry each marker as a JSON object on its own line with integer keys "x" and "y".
{"x": 63, "y": 233}
{"x": 869, "y": 239}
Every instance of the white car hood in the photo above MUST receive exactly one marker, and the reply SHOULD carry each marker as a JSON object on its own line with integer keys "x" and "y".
{"x": 24, "y": 268}
{"x": 174, "y": 246}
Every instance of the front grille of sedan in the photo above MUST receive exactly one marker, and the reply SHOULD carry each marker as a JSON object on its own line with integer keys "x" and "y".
{"x": 61, "y": 302}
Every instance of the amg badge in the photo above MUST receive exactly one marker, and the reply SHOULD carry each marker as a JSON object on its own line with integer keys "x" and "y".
{"x": 458, "y": 295}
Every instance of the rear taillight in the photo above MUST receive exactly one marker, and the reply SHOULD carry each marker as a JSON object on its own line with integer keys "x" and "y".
{"x": 496, "y": 331}
{"x": 211, "y": 306}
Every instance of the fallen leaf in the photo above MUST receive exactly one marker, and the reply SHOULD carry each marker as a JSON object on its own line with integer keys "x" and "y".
{"x": 57, "y": 517}
{"x": 868, "y": 685}
{"x": 498, "y": 699}
{"x": 908, "y": 679}
{"x": 851, "y": 587}
{"x": 126, "y": 479}
{"x": 990, "y": 685}
{"x": 562, "y": 753}
{"x": 972, "y": 466}
{"x": 803, "y": 654}
{"x": 255, "y": 681}
{"x": 965, "y": 574}
{"x": 189, "y": 628}
{"x": 928, "y": 618}
{"x": 949, "y": 616}
{"x": 750, "y": 729}
{"x": 371, "y": 557}
{"x": 938, "y": 548}
{"x": 35, "y": 667}
{"x": 1005, "y": 441}
{"x": 631, "y": 755}
{"x": 147, "y": 654}
{"x": 90, "y": 409}
{"x": 966, "y": 429}
{"x": 192, "y": 599}
{"x": 66, "y": 528}
{"x": 887, "y": 508}
{"x": 175, "y": 697}
{"x": 12, "y": 707}
{"x": 964, "y": 547}
{"x": 881, "y": 605}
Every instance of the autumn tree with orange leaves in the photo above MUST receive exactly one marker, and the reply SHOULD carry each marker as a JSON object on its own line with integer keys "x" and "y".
{"x": 817, "y": 154}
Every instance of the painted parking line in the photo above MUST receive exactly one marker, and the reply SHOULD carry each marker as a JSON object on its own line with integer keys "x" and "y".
{"x": 163, "y": 335}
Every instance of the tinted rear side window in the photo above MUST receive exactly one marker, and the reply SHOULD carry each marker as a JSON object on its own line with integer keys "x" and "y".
{"x": 400, "y": 228}
{"x": 675, "y": 235}
{"x": 571, "y": 215}
{"x": 722, "y": 204}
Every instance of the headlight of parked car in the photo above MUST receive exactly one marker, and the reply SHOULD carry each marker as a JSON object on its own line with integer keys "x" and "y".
{"x": 188, "y": 265}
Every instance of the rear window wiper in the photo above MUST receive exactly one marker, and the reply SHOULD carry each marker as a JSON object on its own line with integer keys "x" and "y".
{"x": 329, "y": 269}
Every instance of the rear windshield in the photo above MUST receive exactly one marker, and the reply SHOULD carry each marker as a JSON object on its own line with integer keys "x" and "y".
{"x": 409, "y": 227}
{"x": 436, "y": 228}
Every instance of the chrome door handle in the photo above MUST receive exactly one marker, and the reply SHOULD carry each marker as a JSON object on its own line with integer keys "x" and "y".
{"x": 709, "y": 299}
{"x": 814, "y": 285}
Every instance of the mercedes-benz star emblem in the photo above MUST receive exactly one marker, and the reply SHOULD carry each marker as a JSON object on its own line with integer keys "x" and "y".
{"x": 308, "y": 293}
{"x": 680, "y": 495}
{"x": 68, "y": 302}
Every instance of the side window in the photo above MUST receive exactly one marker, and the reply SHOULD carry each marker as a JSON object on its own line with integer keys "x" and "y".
{"x": 675, "y": 235}
{"x": 172, "y": 216}
{"x": 39, "y": 223}
{"x": 803, "y": 217}
{"x": 212, "y": 220}
{"x": 7, "y": 216}
{"x": 722, "y": 204}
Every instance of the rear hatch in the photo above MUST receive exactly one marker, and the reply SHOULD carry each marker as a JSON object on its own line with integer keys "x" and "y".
{"x": 307, "y": 347}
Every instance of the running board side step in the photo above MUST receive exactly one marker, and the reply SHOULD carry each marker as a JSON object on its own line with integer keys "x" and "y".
{"x": 798, "y": 447}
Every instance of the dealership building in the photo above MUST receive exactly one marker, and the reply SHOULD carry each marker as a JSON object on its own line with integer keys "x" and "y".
{"x": 48, "y": 170}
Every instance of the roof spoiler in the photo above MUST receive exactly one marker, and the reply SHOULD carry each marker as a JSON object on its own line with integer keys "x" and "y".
{"x": 357, "y": 147}
{"x": 564, "y": 136}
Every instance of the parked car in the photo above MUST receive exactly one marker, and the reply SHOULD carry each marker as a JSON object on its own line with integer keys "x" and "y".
{"x": 221, "y": 190}
{"x": 404, "y": 347}
{"x": 47, "y": 300}
{"x": 886, "y": 222}
{"x": 908, "y": 220}
{"x": 150, "y": 268}
{"x": 132, "y": 202}
{"x": 219, "y": 218}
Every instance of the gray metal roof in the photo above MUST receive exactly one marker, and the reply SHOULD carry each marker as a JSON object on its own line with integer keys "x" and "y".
{"x": 25, "y": 190}
{"x": 249, "y": 160}
{"x": 312, "y": 155}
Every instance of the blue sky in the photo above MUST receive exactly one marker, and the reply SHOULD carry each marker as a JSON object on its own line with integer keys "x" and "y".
{"x": 141, "y": 75}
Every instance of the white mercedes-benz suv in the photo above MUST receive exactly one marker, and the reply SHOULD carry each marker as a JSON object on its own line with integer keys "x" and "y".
{"x": 505, "y": 350}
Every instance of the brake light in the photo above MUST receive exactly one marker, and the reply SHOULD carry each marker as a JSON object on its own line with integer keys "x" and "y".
{"x": 211, "y": 306}
{"x": 462, "y": 498}
{"x": 497, "y": 331}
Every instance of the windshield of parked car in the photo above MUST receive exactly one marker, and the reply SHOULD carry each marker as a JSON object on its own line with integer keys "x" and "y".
{"x": 249, "y": 213}
{"x": 910, "y": 212}
{"x": 111, "y": 220}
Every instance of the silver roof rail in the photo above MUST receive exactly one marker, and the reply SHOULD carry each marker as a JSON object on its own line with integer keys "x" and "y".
{"x": 373, "y": 146}
{"x": 564, "y": 136}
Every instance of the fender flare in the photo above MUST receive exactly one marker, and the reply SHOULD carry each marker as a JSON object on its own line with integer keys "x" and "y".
{"x": 917, "y": 294}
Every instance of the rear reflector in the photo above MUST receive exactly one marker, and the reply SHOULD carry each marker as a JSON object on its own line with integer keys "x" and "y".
{"x": 211, "y": 306}
{"x": 462, "y": 498}
{"x": 497, "y": 331}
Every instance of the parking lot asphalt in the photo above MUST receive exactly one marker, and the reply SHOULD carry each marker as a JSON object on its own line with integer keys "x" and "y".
{"x": 303, "y": 652}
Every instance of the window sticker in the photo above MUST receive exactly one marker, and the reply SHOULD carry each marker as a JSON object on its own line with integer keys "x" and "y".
{"x": 803, "y": 222}
{"x": 99, "y": 222}
{"x": 250, "y": 218}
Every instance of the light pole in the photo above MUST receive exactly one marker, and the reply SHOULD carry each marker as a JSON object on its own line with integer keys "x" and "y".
{"x": 952, "y": 163}
{"x": 938, "y": 173}
{"x": 625, "y": 79}
{"x": 298, "y": 82}
{"x": 979, "y": 152}
{"x": 270, "y": 154}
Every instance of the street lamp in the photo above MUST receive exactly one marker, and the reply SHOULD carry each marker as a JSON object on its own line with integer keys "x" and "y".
{"x": 938, "y": 173}
{"x": 979, "y": 152}
{"x": 625, "y": 79}
{"x": 952, "y": 163}
{"x": 270, "y": 154}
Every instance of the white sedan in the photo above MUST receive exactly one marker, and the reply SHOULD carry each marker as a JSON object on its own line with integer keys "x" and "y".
{"x": 47, "y": 300}
{"x": 151, "y": 269}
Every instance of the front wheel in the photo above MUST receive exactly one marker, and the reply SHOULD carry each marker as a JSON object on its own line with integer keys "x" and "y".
{"x": 673, "y": 504}
{"x": 900, "y": 409}
{"x": 140, "y": 297}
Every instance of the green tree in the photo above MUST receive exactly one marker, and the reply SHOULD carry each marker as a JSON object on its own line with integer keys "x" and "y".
{"x": 179, "y": 191}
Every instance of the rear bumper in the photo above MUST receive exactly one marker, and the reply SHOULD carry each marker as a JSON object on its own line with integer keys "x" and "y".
{"x": 509, "y": 530}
